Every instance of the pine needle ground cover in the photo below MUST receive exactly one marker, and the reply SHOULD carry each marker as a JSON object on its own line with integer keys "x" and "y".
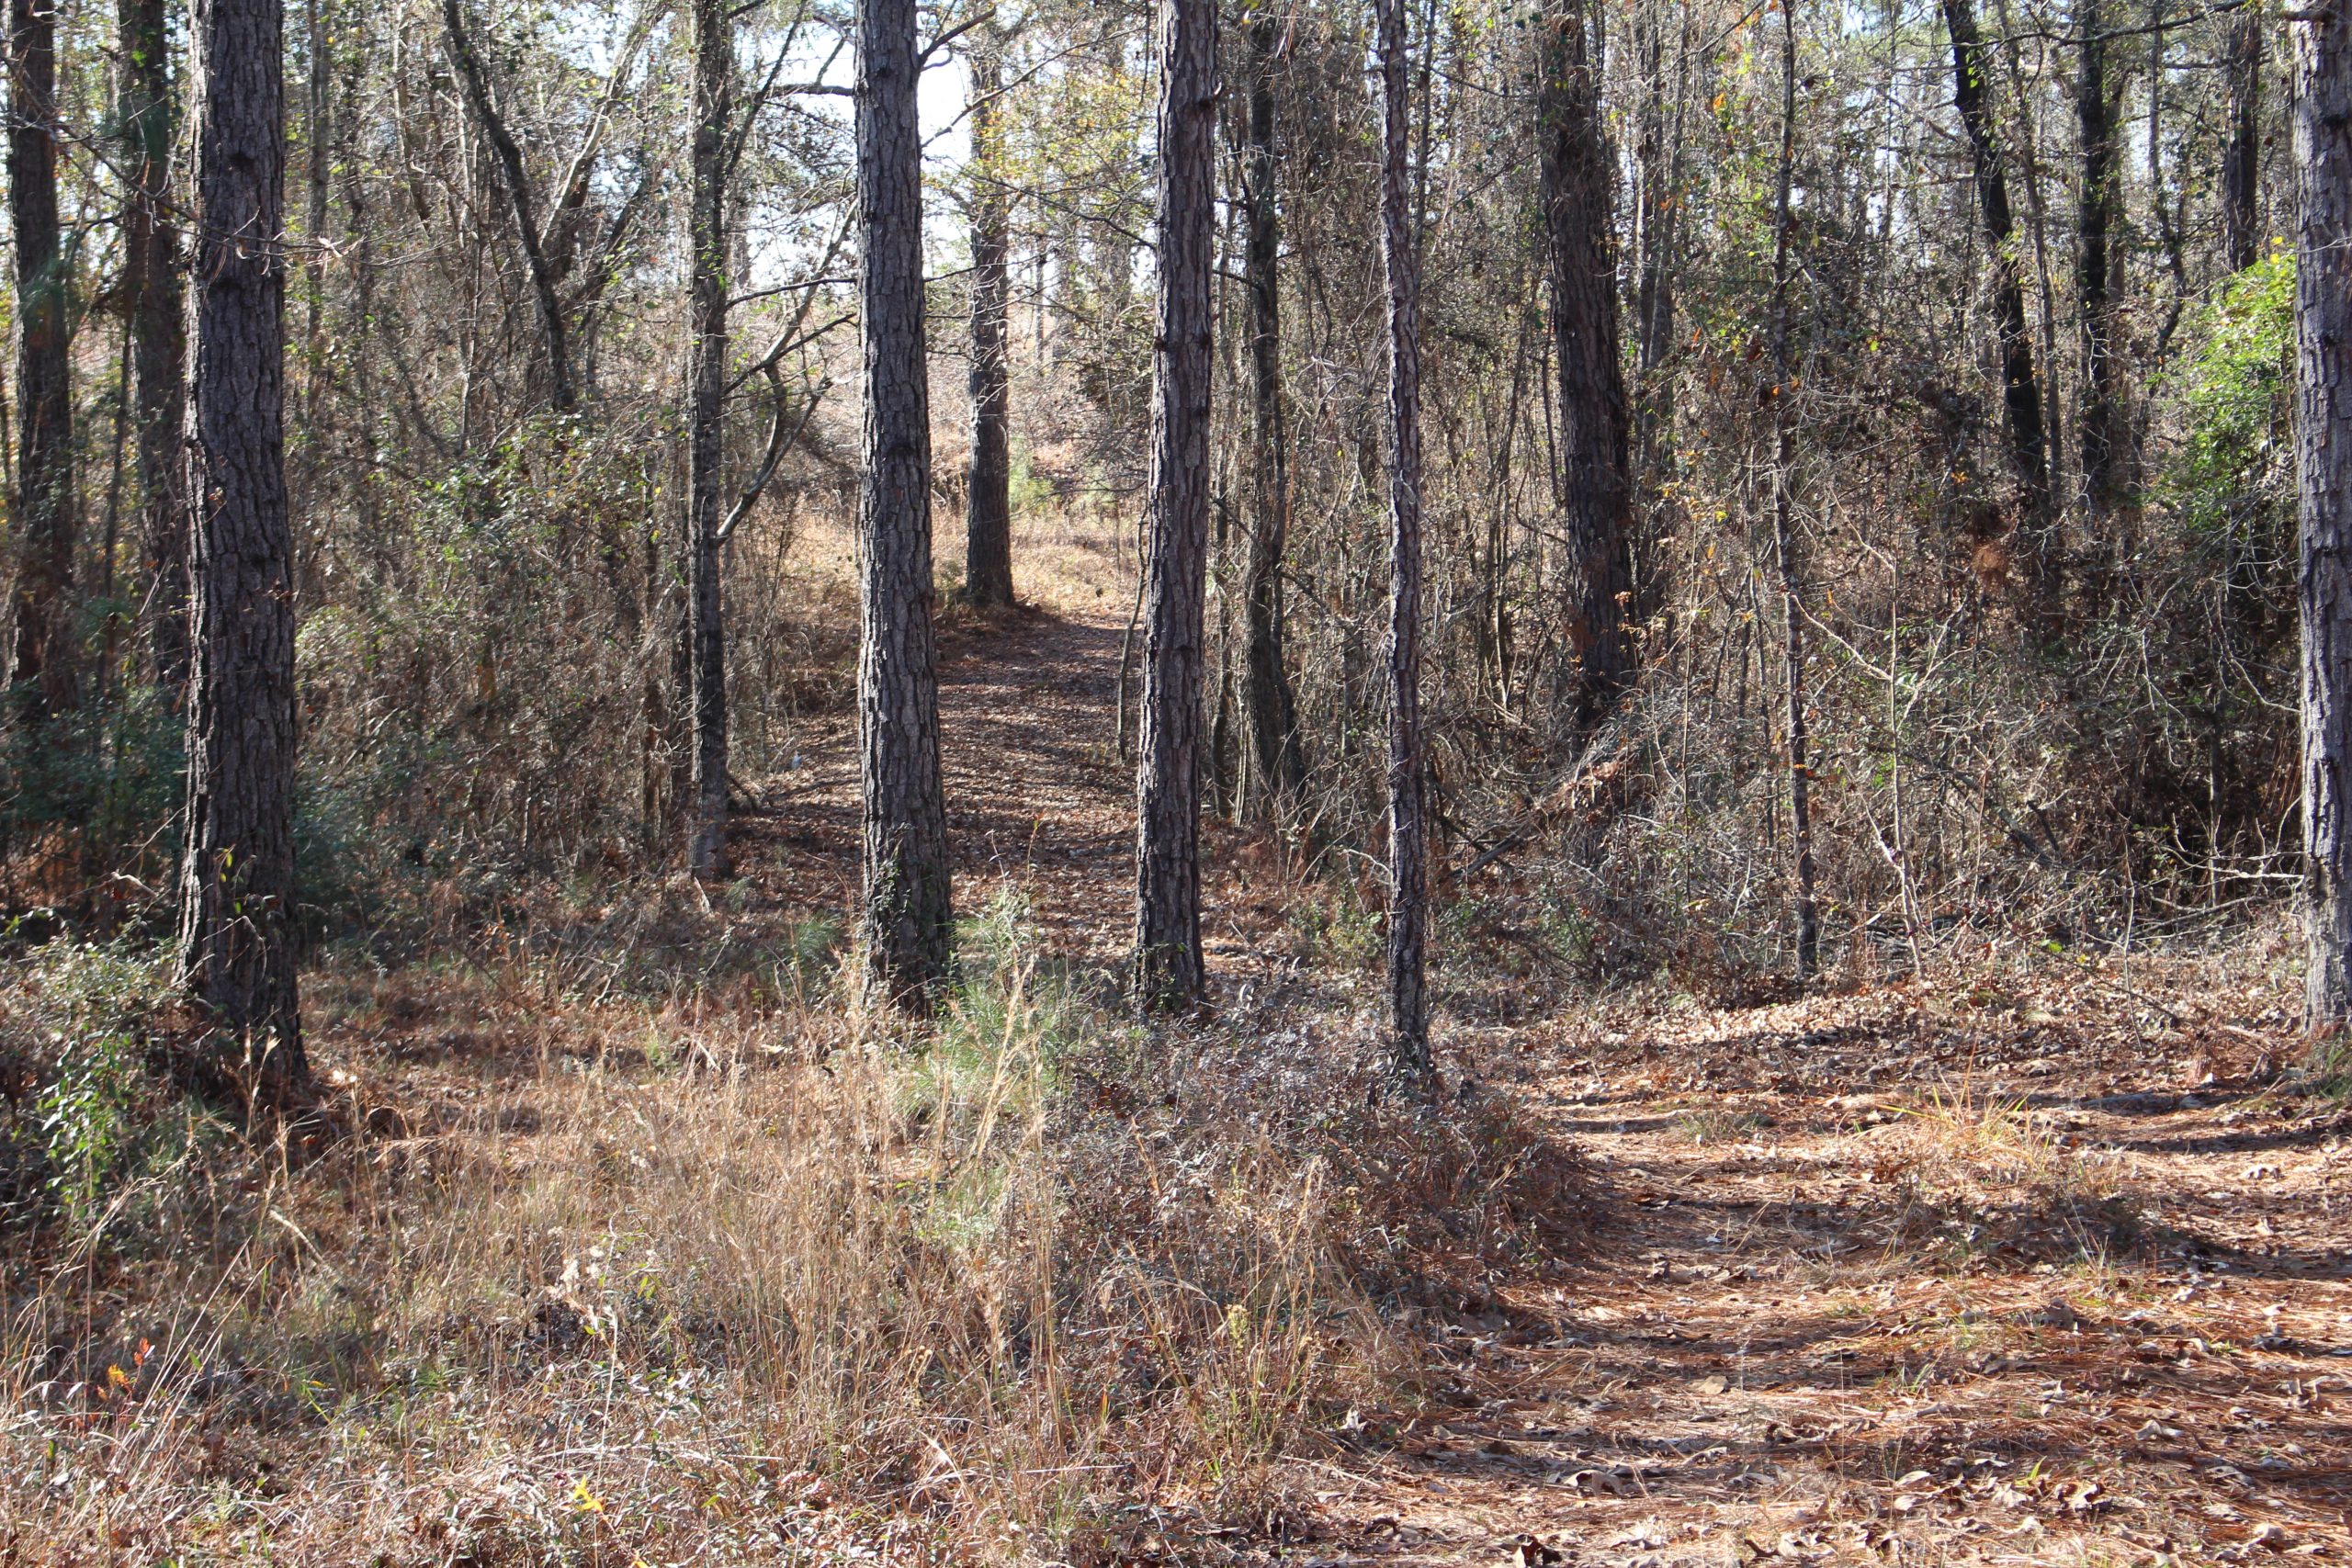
{"x": 631, "y": 1238}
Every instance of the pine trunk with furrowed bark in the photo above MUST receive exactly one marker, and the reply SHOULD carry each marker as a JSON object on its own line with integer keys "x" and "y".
{"x": 1168, "y": 962}
{"x": 237, "y": 937}
{"x": 908, "y": 912}
{"x": 2324, "y": 474}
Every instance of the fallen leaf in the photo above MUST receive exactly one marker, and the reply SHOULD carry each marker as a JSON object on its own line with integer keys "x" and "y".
{"x": 1796, "y": 1547}
{"x": 1591, "y": 1481}
{"x": 1649, "y": 1532}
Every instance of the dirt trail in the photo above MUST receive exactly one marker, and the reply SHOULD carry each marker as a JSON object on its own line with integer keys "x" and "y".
{"x": 1877, "y": 1281}
{"x": 1037, "y": 795}
{"x": 1908, "y": 1275}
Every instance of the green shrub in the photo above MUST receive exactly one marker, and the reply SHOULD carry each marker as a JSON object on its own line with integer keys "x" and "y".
{"x": 106, "y": 780}
{"x": 73, "y": 1020}
{"x": 2232, "y": 477}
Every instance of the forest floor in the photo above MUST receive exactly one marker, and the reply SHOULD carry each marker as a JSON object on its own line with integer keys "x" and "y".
{"x": 2045, "y": 1263}
{"x": 2040, "y": 1259}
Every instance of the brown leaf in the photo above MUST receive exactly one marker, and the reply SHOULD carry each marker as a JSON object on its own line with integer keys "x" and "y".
{"x": 1590, "y": 1481}
{"x": 1649, "y": 1532}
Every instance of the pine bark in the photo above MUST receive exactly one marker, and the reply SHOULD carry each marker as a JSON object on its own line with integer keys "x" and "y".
{"x": 2020, "y": 385}
{"x": 1271, "y": 707}
{"x": 237, "y": 946}
{"x": 988, "y": 510}
{"x": 1580, "y": 260}
{"x": 1659, "y": 157}
{"x": 2324, "y": 472}
{"x": 1170, "y": 971}
{"x": 317, "y": 140}
{"x": 157, "y": 306}
{"x": 2242, "y": 153}
{"x": 40, "y": 660}
{"x": 1409, "y": 1013}
{"x": 2100, "y": 437}
{"x": 907, "y": 911}
{"x": 1805, "y": 904}
{"x": 714, "y": 70}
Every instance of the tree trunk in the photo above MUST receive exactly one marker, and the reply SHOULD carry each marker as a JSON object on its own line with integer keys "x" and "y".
{"x": 908, "y": 920}
{"x": 1408, "y": 1010}
{"x": 317, "y": 139}
{"x": 2324, "y": 472}
{"x": 40, "y": 664}
{"x": 1807, "y": 911}
{"x": 1660, "y": 156}
{"x": 1580, "y": 256}
{"x": 555, "y": 329}
{"x": 1267, "y": 699}
{"x": 2160, "y": 197}
{"x": 988, "y": 511}
{"x": 2021, "y": 387}
{"x": 2094, "y": 210}
{"x": 2037, "y": 218}
{"x": 158, "y": 336}
{"x": 1168, "y": 964}
{"x": 236, "y": 936}
{"x": 714, "y": 73}
{"x": 2241, "y": 155}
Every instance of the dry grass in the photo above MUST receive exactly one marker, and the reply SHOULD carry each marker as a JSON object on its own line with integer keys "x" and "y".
{"x": 644, "y": 1247}
{"x": 626, "y": 1282}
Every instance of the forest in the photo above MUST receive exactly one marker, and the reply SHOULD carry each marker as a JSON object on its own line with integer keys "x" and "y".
{"x": 1176, "y": 784}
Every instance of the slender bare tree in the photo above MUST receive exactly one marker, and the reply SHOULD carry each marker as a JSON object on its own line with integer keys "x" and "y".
{"x": 707, "y": 287}
{"x": 2242, "y": 153}
{"x": 1972, "y": 64}
{"x": 2101, "y": 439}
{"x": 988, "y": 508}
{"x": 1271, "y": 708}
{"x": 151, "y": 279}
{"x": 1805, "y": 904}
{"x": 555, "y": 327}
{"x": 1168, "y": 963}
{"x": 40, "y": 662}
{"x": 1409, "y": 1007}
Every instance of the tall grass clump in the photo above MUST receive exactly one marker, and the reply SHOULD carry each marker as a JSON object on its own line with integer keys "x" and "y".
{"x": 1034, "y": 1287}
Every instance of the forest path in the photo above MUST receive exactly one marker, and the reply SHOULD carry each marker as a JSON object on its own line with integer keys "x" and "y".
{"x": 2013, "y": 1273}
{"x": 1038, "y": 797}
{"x": 1915, "y": 1274}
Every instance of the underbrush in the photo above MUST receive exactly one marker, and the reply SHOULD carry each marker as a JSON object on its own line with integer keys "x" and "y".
{"x": 1978, "y": 1173}
{"x": 1035, "y": 1285}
